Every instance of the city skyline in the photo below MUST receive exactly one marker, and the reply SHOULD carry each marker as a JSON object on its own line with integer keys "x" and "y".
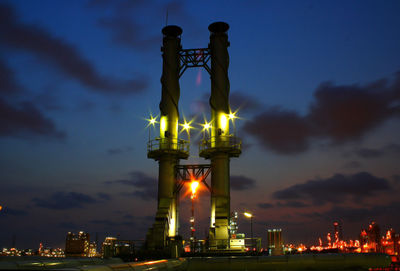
{"x": 317, "y": 87}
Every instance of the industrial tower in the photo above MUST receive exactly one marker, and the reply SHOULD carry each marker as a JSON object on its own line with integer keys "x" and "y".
{"x": 168, "y": 149}
{"x": 221, "y": 145}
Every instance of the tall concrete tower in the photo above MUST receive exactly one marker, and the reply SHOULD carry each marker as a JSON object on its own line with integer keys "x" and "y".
{"x": 167, "y": 149}
{"x": 221, "y": 145}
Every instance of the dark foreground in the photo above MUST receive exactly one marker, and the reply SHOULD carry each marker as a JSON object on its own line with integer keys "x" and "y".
{"x": 309, "y": 262}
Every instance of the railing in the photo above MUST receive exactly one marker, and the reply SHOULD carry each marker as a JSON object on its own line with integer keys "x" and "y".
{"x": 232, "y": 142}
{"x": 167, "y": 144}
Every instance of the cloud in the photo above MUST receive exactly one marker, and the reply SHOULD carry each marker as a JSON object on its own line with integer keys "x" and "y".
{"x": 104, "y": 196}
{"x": 6, "y": 211}
{"x": 123, "y": 20}
{"x": 265, "y": 205}
{"x": 86, "y": 105}
{"x": 64, "y": 200}
{"x": 337, "y": 188}
{"x": 292, "y": 204}
{"x": 239, "y": 101}
{"x": 68, "y": 225}
{"x": 128, "y": 217}
{"x": 144, "y": 185}
{"x": 396, "y": 179}
{"x": 359, "y": 214}
{"x": 392, "y": 148}
{"x": 26, "y": 120}
{"x": 242, "y": 183}
{"x": 126, "y": 32}
{"x": 111, "y": 223}
{"x": 48, "y": 100}
{"x": 61, "y": 54}
{"x": 347, "y": 112}
{"x": 352, "y": 165}
{"x": 368, "y": 153}
{"x": 243, "y": 102}
{"x": 8, "y": 82}
{"x": 339, "y": 114}
{"x": 280, "y": 130}
{"x": 123, "y": 26}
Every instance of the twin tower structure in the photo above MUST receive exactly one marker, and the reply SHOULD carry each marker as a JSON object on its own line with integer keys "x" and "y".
{"x": 218, "y": 147}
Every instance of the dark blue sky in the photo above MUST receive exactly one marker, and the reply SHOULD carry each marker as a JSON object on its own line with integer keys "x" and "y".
{"x": 317, "y": 85}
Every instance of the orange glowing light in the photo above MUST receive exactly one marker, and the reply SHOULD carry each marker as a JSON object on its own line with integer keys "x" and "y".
{"x": 1, "y": 207}
{"x": 194, "y": 185}
{"x": 388, "y": 235}
{"x": 301, "y": 248}
{"x": 155, "y": 262}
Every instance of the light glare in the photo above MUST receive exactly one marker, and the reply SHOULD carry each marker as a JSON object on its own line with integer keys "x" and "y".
{"x": 247, "y": 214}
{"x": 194, "y": 185}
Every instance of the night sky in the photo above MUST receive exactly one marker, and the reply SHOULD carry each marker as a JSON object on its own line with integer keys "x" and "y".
{"x": 316, "y": 83}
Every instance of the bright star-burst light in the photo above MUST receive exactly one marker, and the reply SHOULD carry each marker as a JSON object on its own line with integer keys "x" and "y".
{"x": 151, "y": 121}
{"x": 186, "y": 125}
{"x": 233, "y": 115}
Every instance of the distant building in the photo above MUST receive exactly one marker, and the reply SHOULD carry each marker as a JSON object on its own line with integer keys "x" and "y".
{"x": 78, "y": 245}
{"x": 107, "y": 249}
{"x": 370, "y": 238}
{"x": 112, "y": 247}
{"x": 275, "y": 243}
{"x": 233, "y": 225}
{"x": 391, "y": 244}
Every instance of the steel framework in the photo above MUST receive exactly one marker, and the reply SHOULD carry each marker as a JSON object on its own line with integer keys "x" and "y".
{"x": 185, "y": 173}
{"x": 192, "y": 58}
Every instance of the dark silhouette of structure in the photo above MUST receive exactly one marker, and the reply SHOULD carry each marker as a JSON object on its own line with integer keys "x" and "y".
{"x": 77, "y": 245}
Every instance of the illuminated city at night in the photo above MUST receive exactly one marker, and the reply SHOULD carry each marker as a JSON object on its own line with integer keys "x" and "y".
{"x": 226, "y": 135}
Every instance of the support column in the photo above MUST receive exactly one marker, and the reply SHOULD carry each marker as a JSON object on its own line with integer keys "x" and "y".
{"x": 219, "y": 102}
{"x": 220, "y": 199}
{"x": 167, "y": 151}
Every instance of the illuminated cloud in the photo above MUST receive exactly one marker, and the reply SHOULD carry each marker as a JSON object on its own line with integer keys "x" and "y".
{"x": 337, "y": 188}
{"x": 64, "y": 56}
{"x": 339, "y": 114}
